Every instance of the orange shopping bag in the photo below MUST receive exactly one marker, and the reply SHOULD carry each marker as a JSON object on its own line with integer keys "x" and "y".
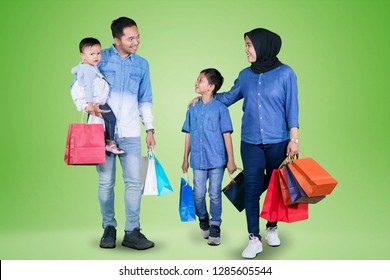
{"x": 312, "y": 178}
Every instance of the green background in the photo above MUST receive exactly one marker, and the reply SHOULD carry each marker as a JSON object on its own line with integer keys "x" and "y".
{"x": 339, "y": 50}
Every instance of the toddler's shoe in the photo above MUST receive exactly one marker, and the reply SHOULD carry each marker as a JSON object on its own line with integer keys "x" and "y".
{"x": 114, "y": 149}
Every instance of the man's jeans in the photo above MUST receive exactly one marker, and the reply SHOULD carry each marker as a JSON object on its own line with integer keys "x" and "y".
{"x": 131, "y": 171}
{"x": 215, "y": 177}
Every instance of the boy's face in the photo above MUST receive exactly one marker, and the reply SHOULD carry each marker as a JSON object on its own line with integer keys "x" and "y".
{"x": 202, "y": 85}
{"x": 250, "y": 50}
{"x": 128, "y": 43}
{"x": 91, "y": 55}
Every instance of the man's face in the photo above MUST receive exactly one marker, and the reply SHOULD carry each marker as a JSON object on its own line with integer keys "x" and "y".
{"x": 128, "y": 43}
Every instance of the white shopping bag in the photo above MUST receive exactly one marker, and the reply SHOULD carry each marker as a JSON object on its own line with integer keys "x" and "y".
{"x": 150, "y": 186}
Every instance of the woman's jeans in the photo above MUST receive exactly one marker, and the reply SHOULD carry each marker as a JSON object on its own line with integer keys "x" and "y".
{"x": 131, "y": 171}
{"x": 259, "y": 161}
{"x": 215, "y": 177}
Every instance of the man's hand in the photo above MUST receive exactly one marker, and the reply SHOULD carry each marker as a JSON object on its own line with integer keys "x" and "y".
{"x": 150, "y": 142}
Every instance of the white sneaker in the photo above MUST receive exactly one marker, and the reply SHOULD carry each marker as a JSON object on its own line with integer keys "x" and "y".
{"x": 271, "y": 235}
{"x": 254, "y": 247}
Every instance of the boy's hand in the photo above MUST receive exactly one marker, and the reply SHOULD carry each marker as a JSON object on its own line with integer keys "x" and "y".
{"x": 185, "y": 166}
{"x": 231, "y": 167}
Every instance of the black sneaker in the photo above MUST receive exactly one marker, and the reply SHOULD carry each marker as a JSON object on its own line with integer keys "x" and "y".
{"x": 136, "y": 240}
{"x": 215, "y": 236}
{"x": 108, "y": 238}
{"x": 204, "y": 227}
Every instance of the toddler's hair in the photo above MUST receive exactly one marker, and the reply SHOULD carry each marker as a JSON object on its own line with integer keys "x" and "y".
{"x": 214, "y": 77}
{"x": 88, "y": 42}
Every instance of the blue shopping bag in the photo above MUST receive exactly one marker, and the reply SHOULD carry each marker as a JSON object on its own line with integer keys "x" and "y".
{"x": 163, "y": 185}
{"x": 186, "y": 202}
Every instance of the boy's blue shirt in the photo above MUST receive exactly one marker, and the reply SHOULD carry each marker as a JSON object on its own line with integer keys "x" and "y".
{"x": 206, "y": 124}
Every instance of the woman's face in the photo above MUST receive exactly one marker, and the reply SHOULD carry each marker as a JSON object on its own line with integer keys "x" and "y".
{"x": 250, "y": 50}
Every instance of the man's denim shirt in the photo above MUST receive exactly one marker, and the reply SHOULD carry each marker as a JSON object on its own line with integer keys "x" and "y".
{"x": 270, "y": 104}
{"x": 206, "y": 124}
{"x": 130, "y": 91}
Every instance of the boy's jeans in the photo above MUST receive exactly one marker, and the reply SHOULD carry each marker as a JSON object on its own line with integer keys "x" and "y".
{"x": 215, "y": 177}
{"x": 131, "y": 170}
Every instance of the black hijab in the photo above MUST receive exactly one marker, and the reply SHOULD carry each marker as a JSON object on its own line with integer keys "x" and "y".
{"x": 267, "y": 46}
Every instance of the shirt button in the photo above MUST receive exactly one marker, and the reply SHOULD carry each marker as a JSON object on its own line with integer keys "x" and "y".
{"x": 258, "y": 94}
{"x": 261, "y": 129}
{"x": 261, "y": 118}
{"x": 259, "y": 83}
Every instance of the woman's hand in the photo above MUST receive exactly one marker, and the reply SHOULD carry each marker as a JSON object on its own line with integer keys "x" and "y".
{"x": 292, "y": 149}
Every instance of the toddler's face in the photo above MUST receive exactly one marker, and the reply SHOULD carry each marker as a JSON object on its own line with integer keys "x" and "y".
{"x": 91, "y": 55}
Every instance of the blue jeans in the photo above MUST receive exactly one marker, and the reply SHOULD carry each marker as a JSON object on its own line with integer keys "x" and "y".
{"x": 109, "y": 122}
{"x": 215, "y": 177}
{"x": 131, "y": 171}
{"x": 258, "y": 162}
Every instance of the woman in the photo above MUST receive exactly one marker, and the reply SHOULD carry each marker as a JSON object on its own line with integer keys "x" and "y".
{"x": 270, "y": 125}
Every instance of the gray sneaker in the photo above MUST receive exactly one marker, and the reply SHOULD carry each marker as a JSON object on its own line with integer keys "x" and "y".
{"x": 136, "y": 240}
{"x": 109, "y": 238}
{"x": 215, "y": 236}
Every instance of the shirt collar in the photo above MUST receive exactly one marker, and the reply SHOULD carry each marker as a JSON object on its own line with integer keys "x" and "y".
{"x": 114, "y": 51}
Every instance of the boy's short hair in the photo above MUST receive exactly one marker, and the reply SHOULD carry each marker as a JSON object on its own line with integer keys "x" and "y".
{"x": 214, "y": 77}
{"x": 119, "y": 24}
{"x": 88, "y": 42}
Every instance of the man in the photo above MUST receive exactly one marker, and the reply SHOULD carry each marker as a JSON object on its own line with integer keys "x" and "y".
{"x": 130, "y": 97}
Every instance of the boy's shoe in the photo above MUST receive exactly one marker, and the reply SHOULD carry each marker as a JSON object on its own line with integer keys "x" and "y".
{"x": 254, "y": 247}
{"x": 215, "y": 236}
{"x": 114, "y": 149}
{"x": 204, "y": 227}
{"x": 205, "y": 233}
{"x": 271, "y": 235}
{"x": 136, "y": 240}
{"x": 109, "y": 238}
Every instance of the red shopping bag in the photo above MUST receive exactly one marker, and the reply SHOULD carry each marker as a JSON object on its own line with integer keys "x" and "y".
{"x": 274, "y": 209}
{"x": 85, "y": 145}
{"x": 312, "y": 178}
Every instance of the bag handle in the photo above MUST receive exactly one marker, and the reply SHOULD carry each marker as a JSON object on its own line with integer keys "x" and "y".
{"x": 83, "y": 118}
{"x": 230, "y": 175}
{"x": 287, "y": 160}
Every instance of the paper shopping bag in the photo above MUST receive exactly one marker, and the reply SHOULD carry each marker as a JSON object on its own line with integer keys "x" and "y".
{"x": 85, "y": 145}
{"x": 296, "y": 192}
{"x": 312, "y": 178}
{"x": 284, "y": 187}
{"x": 274, "y": 209}
{"x": 235, "y": 191}
{"x": 150, "y": 185}
{"x": 163, "y": 185}
{"x": 186, "y": 202}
